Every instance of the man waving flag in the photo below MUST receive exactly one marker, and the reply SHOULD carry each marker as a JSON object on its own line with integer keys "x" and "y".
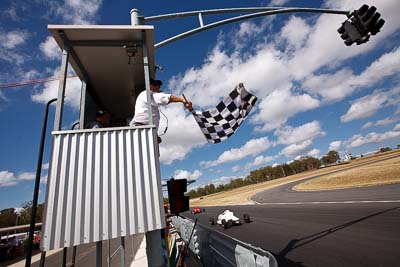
{"x": 217, "y": 124}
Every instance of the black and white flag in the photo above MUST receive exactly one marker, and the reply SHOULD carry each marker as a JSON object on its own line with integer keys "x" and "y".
{"x": 217, "y": 124}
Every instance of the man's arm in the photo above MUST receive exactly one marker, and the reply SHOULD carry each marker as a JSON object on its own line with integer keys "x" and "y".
{"x": 177, "y": 99}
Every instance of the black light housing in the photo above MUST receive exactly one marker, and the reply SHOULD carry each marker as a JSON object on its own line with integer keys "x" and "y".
{"x": 178, "y": 202}
{"x": 360, "y": 25}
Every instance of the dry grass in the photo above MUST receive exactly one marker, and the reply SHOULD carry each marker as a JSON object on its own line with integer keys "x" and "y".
{"x": 240, "y": 196}
{"x": 386, "y": 172}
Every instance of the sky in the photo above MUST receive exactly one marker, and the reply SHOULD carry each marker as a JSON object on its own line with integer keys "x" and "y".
{"x": 314, "y": 93}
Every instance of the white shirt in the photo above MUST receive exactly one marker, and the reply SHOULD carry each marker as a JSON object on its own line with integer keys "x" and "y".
{"x": 141, "y": 114}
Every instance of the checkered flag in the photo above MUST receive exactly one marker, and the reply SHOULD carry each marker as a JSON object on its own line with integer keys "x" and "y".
{"x": 217, "y": 124}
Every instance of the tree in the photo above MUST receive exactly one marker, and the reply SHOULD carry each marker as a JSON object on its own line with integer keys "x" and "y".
{"x": 385, "y": 149}
{"x": 8, "y": 218}
{"x": 333, "y": 155}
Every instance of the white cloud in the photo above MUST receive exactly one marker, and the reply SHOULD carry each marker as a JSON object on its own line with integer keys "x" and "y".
{"x": 183, "y": 134}
{"x": 314, "y": 153}
{"x": 221, "y": 71}
{"x": 10, "y": 12}
{"x": 7, "y": 178}
{"x": 368, "y": 125}
{"x": 3, "y": 101}
{"x": 383, "y": 122}
{"x": 236, "y": 168}
{"x": 279, "y": 106}
{"x": 336, "y": 86}
{"x": 248, "y": 29}
{"x": 335, "y": 145}
{"x": 373, "y": 137}
{"x": 50, "y": 91}
{"x": 190, "y": 176}
{"x": 370, "y": 104}
{"x": 222, "y": 180}
{"x": 45, "y": 166}
{"x": 278, "y": 2}
{"x": 295, "y": 32}
{"x": 12, "y": 39}
{"x": 290, "y": 135}
{"x": 43, "y": 179}
{"x": 26, "y": 176}
{"x": 295, "y": 150}
{"x": 259, "y": 160}
{"x": 9, "y": 43}
{"x": 50, "y": 48}
{"x": 252, "y": 147}
{"x": 11, "y": 57}
{"x": 78, "y": 11}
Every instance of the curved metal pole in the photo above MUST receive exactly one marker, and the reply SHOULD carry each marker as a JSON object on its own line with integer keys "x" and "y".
{"x": 210, "y": 12}
{"x": 248, "y": 16}
{"x": 37, "y": 183}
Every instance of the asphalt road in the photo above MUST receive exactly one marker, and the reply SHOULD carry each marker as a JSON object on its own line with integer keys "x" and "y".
{"x": 348, "y": 227}
{"x": 284, "y": 194}
{"x": 358, "y": 234}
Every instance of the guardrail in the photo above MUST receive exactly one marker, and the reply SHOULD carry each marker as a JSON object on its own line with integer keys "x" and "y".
{"x": 213, "y": 248}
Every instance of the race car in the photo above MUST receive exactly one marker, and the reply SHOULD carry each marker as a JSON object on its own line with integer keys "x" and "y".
{"x": 197, "y": 210}
{"x": 227, "y": 219}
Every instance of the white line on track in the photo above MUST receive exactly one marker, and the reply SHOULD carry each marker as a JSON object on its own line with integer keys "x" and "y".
{"x": 329, "y": 202}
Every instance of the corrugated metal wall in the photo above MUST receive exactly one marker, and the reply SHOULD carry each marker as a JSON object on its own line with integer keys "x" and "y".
{"x": 102, "y": 184}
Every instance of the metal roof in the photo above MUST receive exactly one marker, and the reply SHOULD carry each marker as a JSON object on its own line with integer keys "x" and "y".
{"x": 98, "y": 56}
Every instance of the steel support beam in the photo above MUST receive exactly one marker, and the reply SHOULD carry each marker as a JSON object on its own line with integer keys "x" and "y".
{"x": 147, "y": 78}
{"x": 82, "y": 106}
{"x": 123, "y": 251}
{"x": 73, "y": 256}
{"x": 61, "y": 91}
{"x": 99, "y": 254}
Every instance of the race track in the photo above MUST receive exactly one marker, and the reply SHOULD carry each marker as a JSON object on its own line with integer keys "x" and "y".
{"x": 350, "y": 227}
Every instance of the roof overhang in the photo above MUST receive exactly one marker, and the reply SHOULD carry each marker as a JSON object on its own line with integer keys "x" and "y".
{"x": 99, "y": 57}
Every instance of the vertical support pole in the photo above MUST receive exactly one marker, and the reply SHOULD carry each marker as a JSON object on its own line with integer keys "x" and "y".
{"x": 123, "y": 251}
{"x": 61, "y": 90}
{"x": 82, "y": 106}
{"x": 37, "y": 185}
{"x": 147, "y": 78}
{"x": 135, "y": 17}
{"x": 73, "y": 256}
{"x": 64, "y": 258}
{"x": 154, "y": 249}
{"x": 108, "y": 253}
{"x": 99, "y": 254}
{"x": 42, "y": 258}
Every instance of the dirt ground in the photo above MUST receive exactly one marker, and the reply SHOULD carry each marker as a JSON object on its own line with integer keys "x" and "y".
{"x": 384, "y": 172}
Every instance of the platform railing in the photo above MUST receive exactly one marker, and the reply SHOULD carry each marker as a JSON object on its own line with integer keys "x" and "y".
{"x": 102, "y": 184}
